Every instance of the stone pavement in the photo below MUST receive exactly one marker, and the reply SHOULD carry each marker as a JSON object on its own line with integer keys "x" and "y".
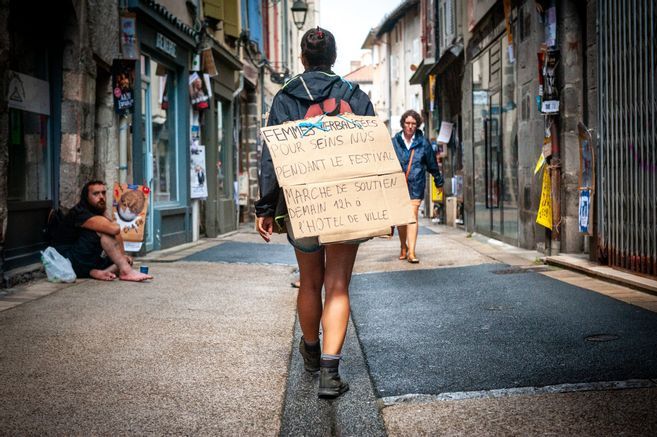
{"x": 209, "y": 347}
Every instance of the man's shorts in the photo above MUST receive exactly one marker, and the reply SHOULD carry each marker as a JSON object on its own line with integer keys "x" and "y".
{"x": 86, "y": 254}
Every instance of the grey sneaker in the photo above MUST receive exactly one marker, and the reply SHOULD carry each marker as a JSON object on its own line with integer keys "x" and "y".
{"x": 310, "y": 357}
{"x": 330, "y": 384}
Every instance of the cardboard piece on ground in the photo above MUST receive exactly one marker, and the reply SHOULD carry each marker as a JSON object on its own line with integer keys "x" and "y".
{"x": 341, "y": 180}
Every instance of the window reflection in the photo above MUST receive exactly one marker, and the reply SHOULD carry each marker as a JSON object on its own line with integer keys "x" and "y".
{"x": 159, "y": 132}
{"x": 28, "y": 170}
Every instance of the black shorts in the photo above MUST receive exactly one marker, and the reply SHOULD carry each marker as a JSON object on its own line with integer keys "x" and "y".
{"x": 86, "y": 254}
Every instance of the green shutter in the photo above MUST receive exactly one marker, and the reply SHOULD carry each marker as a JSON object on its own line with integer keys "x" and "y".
{"x": 232, "y": 18}
{"x": 214, "y": 9}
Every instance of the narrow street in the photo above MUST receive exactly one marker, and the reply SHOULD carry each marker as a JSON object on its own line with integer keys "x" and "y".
{"x": 477, "y": 339}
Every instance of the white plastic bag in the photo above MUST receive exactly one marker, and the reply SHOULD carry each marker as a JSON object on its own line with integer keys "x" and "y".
{"x": 57, "y": 267}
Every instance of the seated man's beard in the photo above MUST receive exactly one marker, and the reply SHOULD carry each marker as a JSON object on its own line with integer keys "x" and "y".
{"x": 99, "y": 209}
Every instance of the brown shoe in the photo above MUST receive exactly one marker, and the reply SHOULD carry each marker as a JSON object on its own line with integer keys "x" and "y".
{"x": 413, "y": 259}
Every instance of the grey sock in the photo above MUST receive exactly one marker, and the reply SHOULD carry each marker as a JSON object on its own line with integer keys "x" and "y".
{"x": 331, "y": 357}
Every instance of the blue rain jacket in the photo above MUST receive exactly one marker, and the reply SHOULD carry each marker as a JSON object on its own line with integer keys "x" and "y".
{"x": 424, "y": 160}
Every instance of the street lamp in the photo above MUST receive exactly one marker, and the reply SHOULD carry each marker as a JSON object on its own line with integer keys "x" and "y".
{"x": 299, "y": 11}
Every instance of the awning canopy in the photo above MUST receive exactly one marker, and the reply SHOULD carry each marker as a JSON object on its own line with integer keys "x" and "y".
{"x": 422, "y": 72}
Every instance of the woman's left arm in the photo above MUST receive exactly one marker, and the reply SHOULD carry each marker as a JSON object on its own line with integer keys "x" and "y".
{"x": 432, "y": 164}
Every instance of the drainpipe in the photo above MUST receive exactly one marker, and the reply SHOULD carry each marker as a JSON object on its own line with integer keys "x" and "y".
{"x": 555, "y": 179}
{"x": 123, "y": 149}
{"x": 237, "y": 129}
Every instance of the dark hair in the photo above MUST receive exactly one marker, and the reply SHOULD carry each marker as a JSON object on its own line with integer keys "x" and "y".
{"x": 318, "y": 47}
{"x": 84, "y": 204}
{"x": 410, "y": 113}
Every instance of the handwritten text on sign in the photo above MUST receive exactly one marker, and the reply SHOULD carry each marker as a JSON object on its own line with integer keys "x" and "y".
{"x": 343, "y": 150}
{"x": 346, "y": 206}
{"x": 341, "y": 178}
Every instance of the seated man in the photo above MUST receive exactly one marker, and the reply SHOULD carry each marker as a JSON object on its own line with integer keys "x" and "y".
{"x": 92, "y": 242}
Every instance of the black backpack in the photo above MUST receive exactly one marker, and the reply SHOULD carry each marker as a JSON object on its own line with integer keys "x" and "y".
{"x": 59, "y": 230}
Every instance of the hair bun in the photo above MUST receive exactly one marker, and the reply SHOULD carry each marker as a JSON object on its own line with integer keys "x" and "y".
{"x": 319, "y": 33}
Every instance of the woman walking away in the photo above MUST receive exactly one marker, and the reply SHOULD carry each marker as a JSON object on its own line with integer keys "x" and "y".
{"x": 416, "y": 158}
{"x": 318, "y": 90}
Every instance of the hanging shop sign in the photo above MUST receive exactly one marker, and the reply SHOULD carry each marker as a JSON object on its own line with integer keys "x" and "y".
{"x": 28, "y": 93}
{"x": 130, "y": 207}
{"x": 123, "y": 79}
{"x": 544, "y": 216}
{"x": 129, "y": 46}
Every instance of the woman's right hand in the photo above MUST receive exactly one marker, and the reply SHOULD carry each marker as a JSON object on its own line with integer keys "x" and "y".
{"x": 265, "y": 227}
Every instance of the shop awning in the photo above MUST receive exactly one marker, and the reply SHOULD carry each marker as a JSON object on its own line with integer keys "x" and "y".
{"x": 422, "y": 72}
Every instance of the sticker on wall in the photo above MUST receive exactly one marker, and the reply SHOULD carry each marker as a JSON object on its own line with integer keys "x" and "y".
{"x": 123, "y": 79}
{"x": 129, "y": 46}
{"x": 130, "y": 207}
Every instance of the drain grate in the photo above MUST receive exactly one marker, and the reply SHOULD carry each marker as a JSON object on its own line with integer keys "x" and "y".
{"x": 600, "y": 338}
{"x": 514, "y": 270}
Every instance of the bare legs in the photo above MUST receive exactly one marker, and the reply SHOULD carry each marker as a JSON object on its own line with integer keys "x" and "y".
{"x": 330, "y": 267}
{"x": 113, "y": 247}
{"x": 309, "y": 299}
{"x": 408, "y": 233}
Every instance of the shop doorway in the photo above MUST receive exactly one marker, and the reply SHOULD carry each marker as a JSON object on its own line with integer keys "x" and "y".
{"x": 495, "y": 145}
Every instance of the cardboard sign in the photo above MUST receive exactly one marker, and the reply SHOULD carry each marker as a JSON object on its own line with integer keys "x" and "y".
{"x": 340, "y": 176}
{"x": 544, "y": 216}
{"x": 130, "y": 206}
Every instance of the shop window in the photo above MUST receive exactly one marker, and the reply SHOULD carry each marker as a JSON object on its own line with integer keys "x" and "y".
{"x": 29, "y": 94}
{"x": 158, "y": 118}
{"x": 29, "y": 163}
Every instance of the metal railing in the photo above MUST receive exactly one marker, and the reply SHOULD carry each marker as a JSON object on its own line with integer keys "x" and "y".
{"x": 627, "y": 115}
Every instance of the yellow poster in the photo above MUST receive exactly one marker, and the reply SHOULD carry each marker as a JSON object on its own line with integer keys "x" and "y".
{"x": 544, "y": 216}
{"x": 539, "y": 163}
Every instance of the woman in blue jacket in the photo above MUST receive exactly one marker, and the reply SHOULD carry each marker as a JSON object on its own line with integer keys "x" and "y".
{"x": 307, "y": 94}
{"x": 416, "y": 158}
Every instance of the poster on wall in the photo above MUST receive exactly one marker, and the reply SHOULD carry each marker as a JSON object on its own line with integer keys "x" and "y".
{"x": 129, "y": 207}
{"x": 584, "y": 211}
{"x": 123, "y": 80}
{"x": 197, "y": 172}
{"x": 445, "y": 132}
{"x": 544, "y": 215}
{"x": 129, "y": 46}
